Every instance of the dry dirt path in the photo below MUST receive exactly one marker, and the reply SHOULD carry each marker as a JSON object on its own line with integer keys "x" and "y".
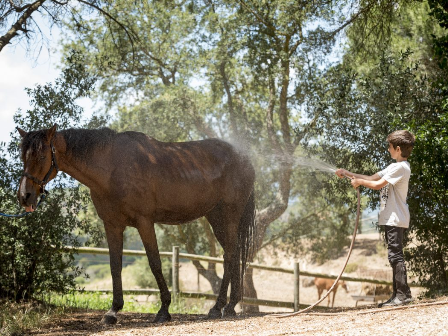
{"x": 422, "y": 320}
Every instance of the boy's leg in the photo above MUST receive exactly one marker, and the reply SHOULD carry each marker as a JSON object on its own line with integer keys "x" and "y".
{"x": 403, "y": 290}
{"x": 394, "y": 292}
{"x": 394, "y": 237}
{"x": 394, "y": 283}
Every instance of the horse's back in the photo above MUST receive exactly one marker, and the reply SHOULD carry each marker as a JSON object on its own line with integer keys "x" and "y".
{"x": 322, "y": 283}
{"x": 202, "y": 159}
{"x": 180, "y": 181}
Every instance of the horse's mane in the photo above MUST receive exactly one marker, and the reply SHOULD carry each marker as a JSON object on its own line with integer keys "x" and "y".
{"x": 32, "y": 141}
{"x": 81, "y": 143}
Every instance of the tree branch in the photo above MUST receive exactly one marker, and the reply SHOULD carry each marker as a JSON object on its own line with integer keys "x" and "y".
{"x": 225, "y": 82}
{"x": 285, "y": 230}
{"x": 352, "y": 19}
{"x": 270, "y": 115}
{"x": 122, "y": 26}
{"x": 270, "y": 27}
{"x": 19, "y": 25}
{"x": 267, "y": 215}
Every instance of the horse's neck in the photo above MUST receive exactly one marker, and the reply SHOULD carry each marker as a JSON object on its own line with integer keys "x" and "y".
{"x": 91, "y": 174}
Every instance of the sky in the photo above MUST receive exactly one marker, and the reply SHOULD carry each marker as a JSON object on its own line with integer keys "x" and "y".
{"x": 17, "y": 71}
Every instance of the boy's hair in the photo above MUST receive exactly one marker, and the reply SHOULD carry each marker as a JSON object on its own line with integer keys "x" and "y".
{"x": 404, "y": 139}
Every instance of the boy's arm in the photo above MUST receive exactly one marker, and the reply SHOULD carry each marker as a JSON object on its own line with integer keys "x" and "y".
{"x": 372, "y": 184}
{"x": 343, "y": 173}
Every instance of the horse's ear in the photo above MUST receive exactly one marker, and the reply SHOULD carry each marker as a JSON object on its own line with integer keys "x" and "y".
{"x": 22, "y": 132}
{"x": 51, "y": 132}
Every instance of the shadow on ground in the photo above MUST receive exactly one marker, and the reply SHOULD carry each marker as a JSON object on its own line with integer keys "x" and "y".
{"x": 89, "y": 322}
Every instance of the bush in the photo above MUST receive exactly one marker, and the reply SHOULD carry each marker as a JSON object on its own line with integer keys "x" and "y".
{"x": 351, "y": 267}
{"x": 32, "y": 259}
{"x": 98, "y": 271}
{"x": 144, "y": 277}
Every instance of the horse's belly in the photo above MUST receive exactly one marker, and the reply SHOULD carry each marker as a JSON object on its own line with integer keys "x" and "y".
{"x": 183, "y": 207}
{"x": 168, "y": 217}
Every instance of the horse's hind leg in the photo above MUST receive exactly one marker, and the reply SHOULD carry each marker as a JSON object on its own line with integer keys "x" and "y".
{"x": 148, "y": 236}
{"x": 224, "y": 221}
{"x": 114, "y": 234}
{"x": 235, "y": 282}
{"x": 240, "y": 257}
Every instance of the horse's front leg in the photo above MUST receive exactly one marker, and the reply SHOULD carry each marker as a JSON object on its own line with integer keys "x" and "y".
{"x": 114, "y": 236}
{"x": 148, "y": 236}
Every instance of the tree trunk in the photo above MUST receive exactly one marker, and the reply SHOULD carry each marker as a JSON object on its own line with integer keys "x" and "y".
{"x": 444, "y": 271}
{"x": 209, "y": 274}
{"x": 249, "y": 292}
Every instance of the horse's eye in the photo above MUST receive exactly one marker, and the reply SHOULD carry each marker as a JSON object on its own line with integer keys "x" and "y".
{"x": 42, "y": 158}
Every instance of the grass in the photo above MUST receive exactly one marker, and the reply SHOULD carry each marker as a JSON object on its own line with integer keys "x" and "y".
{"x": 100, "y": 301}
{"x": 351, "y": 267}
{"x": 18, "y": 318}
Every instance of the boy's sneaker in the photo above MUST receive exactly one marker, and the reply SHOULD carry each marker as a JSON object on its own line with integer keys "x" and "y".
{"x": 386, "y": 302}
{"x": 397, "y": 302}
{"x": 408, "y": 300}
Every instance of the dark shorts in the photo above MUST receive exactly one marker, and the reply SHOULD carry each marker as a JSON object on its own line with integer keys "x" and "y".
{"x": 394, "y": 239}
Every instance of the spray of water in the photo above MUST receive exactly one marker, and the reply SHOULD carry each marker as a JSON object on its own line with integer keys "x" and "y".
{"x": 302, "y": 162}
{"x": 314, "y": 164}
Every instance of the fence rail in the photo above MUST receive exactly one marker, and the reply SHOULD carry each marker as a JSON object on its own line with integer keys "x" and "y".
{"x": 194, "y": 295}
{"x": 176, "y": 255}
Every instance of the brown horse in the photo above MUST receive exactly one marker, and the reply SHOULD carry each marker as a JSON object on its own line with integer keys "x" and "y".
{"x": 326, "y": 284}
{"x": 135, "y": 180}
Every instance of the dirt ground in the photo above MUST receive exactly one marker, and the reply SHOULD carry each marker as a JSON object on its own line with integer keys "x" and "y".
{"x": 420, "y": 320}
{"x": 369, "y": 256}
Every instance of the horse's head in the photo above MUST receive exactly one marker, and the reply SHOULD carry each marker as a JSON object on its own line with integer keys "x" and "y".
{"x": 38, "y": 156}
{"x": 344, "y": 285}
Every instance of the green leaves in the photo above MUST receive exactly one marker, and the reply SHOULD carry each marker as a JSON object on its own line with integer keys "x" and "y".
{"x": 32, "y": 259}
{"x": 361, "y": 102}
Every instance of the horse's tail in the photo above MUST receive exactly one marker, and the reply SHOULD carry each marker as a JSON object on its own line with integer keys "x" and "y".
{"x": 246, "y": 239}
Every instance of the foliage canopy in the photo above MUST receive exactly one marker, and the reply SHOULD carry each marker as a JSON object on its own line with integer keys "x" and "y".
{"x": 32, "y": 258}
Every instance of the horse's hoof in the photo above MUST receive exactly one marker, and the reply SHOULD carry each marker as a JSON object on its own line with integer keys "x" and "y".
{"x": 109, "y": 319}
{"x": 162, "y": 317}
{"x": 214, "y": 313}
{"x": 228, "y": 311}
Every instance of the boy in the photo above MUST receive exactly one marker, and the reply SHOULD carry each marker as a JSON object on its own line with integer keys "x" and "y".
{"x": 394, "y": 213}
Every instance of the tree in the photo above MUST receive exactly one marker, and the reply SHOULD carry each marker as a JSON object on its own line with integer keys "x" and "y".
{"x": 18, "y": 18}
{"x": 397, "y": 90}
{"x": 32, "y": 258}
{"x": 256, "y": 64}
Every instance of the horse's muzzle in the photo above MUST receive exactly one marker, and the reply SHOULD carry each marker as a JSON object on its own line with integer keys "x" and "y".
{"x": 28, "y": 201}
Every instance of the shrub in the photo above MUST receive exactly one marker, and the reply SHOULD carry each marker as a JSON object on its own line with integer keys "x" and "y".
{"x": 32, "y": 259}
{"x": 144, "y": 277}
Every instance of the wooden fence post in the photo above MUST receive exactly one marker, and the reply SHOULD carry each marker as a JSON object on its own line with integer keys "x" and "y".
{"x": 296, "y": 286}
{"x": 175, "y": 265}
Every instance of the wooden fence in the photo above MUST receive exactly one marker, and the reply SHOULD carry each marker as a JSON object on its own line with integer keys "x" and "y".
{"x": 176, "y": 255}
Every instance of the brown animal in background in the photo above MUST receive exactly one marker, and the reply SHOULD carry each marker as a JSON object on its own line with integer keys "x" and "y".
{"x": 373, "y": 289}
{"x": 308, "y": 282}
{"x": 322, "y": 284}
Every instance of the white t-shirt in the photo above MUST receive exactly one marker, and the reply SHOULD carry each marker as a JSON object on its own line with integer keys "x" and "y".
{"x": 394, "y": 210}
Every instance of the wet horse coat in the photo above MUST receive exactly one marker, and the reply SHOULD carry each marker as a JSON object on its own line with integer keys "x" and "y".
{"x": 135, "y": 180}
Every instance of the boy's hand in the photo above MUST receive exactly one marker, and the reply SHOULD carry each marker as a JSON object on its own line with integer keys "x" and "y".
{"x": 356, "y": 182}
{"x": 341, "y": 172}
